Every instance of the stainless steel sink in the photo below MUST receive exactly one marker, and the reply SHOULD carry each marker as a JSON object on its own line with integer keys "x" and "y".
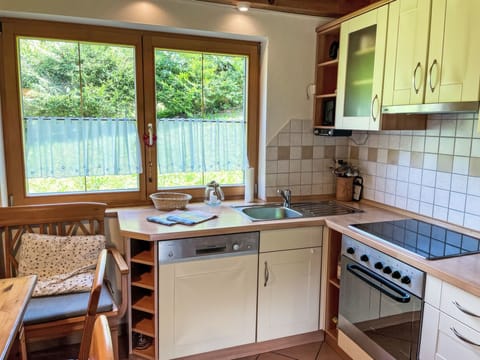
{"x": 269, "y": 212}
{"x": 297, "y": 210}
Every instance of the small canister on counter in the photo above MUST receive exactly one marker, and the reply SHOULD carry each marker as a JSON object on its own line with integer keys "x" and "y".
{"x": 344, "y": 190}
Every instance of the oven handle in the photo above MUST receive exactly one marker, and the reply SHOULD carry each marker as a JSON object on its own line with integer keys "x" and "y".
{"x": 357, "y": 270}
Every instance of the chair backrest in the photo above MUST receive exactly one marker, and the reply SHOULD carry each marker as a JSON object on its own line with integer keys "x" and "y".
{"x": 80, "y": 218}
{"x": 101, "y": 347}
{"x": 91, "y": 314}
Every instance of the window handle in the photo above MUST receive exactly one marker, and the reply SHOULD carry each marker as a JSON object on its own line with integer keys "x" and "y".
{"x": 149, "y": 138}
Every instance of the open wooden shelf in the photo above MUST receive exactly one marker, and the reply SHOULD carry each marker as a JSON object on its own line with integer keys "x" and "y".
{"x": 142, "y": 309}
{"x": 326, "y": 72}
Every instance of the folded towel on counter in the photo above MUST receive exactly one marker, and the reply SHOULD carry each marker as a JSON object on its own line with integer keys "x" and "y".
{"x": 182, "y": 217}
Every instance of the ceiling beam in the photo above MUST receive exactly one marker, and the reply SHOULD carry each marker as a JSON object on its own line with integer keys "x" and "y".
{"x": 324, "y": 8}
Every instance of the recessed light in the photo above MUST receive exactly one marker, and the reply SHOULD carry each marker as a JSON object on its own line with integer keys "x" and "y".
{"x": 243, "y": 6}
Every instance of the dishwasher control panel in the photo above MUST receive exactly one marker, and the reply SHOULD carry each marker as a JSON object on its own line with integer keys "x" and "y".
{"x": 208, "y": 247}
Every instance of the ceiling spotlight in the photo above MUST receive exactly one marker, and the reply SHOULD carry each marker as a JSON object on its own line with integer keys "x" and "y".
{"x": 243, "y": 6}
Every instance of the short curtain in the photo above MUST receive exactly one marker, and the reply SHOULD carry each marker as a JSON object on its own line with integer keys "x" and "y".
{"x": 200, "y": 145}
{"x": 62, "y": 147}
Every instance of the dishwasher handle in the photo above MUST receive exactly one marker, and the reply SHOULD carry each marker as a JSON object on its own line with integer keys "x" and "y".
{"x": 211, "y": 250}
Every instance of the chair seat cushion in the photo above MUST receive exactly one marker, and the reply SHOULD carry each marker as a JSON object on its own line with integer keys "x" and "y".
{"x": 57, "y": 307}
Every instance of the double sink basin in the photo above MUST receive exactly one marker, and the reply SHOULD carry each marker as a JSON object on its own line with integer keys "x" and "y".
{"x": 296, "y": 210}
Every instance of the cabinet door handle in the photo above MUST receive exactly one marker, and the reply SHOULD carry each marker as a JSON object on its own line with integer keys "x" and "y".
{"x": 266, "y": 274}
{"x": 375, "y": 99}
{"x": 434, "y": 64}
{"x": 465, "y": 311}
{"x": 463, "y": 338}
{"x": 414, "y": 80}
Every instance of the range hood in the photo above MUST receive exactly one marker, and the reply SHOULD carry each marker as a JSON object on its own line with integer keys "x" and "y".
{"x": 440, "y": 108}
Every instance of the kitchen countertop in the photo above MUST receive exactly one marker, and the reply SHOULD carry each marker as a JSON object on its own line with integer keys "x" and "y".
{"x": 459, "y": 271}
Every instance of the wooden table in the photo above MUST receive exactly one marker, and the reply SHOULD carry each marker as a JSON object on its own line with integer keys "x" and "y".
{"x": 14, "y": 296}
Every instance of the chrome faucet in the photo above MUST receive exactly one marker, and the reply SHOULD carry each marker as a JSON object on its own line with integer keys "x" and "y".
{"x": 286, "y": 194}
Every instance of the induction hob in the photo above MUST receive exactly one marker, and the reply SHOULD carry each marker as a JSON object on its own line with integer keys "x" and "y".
{"x": 427, "y": 240}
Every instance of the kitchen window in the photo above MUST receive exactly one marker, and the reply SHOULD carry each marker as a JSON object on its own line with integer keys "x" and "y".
{"x": 106, "y": 114}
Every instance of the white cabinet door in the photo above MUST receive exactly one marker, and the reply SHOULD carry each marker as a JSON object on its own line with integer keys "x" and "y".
{"x": 288, "y": 293}
{"x": 360, "y": 72}
{"x": 406, "y": 55}
{"x": 206, "y": 305}
{"x": 454, "y": 52}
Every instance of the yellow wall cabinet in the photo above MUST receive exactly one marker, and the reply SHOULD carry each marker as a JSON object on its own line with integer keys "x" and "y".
{"x": 289, "y": 282}
{"x": 449, "y": 71}
{"x": 360, "y": 70}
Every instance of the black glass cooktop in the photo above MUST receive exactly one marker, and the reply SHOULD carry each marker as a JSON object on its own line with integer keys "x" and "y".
{"x": 427, "y": 240}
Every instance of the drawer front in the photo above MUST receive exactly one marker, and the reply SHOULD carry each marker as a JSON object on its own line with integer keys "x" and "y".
{"x": 453, "y": 340}
{"x": 461, "y": 305}
{"x": 286, "y": 239}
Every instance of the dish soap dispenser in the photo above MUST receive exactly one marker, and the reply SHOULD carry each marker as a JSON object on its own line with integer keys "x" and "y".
{"x": 213, "y": 194}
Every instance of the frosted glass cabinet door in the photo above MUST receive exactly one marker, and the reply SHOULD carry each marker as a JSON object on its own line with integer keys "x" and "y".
{"x": 361, "y": 63}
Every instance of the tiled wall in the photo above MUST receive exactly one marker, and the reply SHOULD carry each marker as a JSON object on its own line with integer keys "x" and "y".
{"x": 299, "y": 160}
{"x": 435, "y": 172}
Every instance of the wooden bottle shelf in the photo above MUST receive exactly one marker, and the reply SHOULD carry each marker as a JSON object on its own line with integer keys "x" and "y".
{"x": 144, "y": 326}
{"x": 145, "y": 303}
{"x": 335, "y": 282}
{"x": 148, "y": 353}
{"x": 145, "y": 280}
{"x": 144, "y": 257}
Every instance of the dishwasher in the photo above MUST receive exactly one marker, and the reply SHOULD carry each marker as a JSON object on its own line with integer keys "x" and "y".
{"x": 207, "y": 293}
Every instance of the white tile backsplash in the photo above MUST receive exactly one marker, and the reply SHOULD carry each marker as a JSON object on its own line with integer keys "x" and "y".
{"x": 435, "y": 174}
{"x": 400, "y": 168}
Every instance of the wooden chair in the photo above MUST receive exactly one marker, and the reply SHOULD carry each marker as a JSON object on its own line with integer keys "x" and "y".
{"x": 101, "y": 346}
{"x": 61, "y": 315}
{"x": 92, "y": 306}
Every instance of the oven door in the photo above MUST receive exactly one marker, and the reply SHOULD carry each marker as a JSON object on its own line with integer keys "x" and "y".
{"x": 382, "y": 318}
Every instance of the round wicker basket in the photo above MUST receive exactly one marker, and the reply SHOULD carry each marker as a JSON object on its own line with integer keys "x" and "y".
{"x": 170, "y": 200}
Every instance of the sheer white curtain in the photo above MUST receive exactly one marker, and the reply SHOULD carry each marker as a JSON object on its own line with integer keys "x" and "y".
{"x": 65, "y": 147}
{"x": 200, "y": 145}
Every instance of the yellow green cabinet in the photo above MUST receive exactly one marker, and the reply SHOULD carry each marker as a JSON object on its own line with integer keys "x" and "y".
{"x": 360, "y": 70}
{"x": 443, "y": 30}
{"x": 454, "y": 51}
{"x": 406, "y": 60}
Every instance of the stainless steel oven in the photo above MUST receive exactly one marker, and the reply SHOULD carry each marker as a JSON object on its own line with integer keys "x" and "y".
{"x": 381, "y": 302}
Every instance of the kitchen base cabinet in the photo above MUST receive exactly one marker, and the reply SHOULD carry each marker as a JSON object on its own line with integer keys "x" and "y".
{"x": 451, "y": 323}
{"x": 289, "y": 282}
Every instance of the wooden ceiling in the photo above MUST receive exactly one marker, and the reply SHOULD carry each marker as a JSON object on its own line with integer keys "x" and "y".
{"x": 326, "y": 8}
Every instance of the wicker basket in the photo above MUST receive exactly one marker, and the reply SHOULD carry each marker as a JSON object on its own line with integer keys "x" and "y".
{"x": 170, "y": 200}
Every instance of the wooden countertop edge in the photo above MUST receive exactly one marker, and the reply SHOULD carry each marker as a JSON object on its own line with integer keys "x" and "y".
{"x": 458, "y": 271}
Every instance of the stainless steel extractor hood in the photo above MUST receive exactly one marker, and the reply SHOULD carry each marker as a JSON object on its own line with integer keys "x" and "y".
{"x": 440, "y": 108}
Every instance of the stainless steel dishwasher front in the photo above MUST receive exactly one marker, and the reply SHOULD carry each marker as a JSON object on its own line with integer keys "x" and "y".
{"x": 207, "y": 293}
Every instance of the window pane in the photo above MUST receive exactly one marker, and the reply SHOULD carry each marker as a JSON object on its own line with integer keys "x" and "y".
{"x": 201, "y": 121}
{"x": 79, "y": 116}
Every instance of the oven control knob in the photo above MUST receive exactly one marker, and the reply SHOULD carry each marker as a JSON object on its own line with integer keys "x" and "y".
{"x": 406, "y": 280}
{"x": 351, "y": 250}
{"x": 396, "y": 275}
{"x": 364, "y": 257}
{"x": 378, "y": 265}
{"x": 387, "y": 269}
{"x": 235, "y": 247}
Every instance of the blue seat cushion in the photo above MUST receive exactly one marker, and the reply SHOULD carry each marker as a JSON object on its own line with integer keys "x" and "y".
{"x": 57, "y": 307}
